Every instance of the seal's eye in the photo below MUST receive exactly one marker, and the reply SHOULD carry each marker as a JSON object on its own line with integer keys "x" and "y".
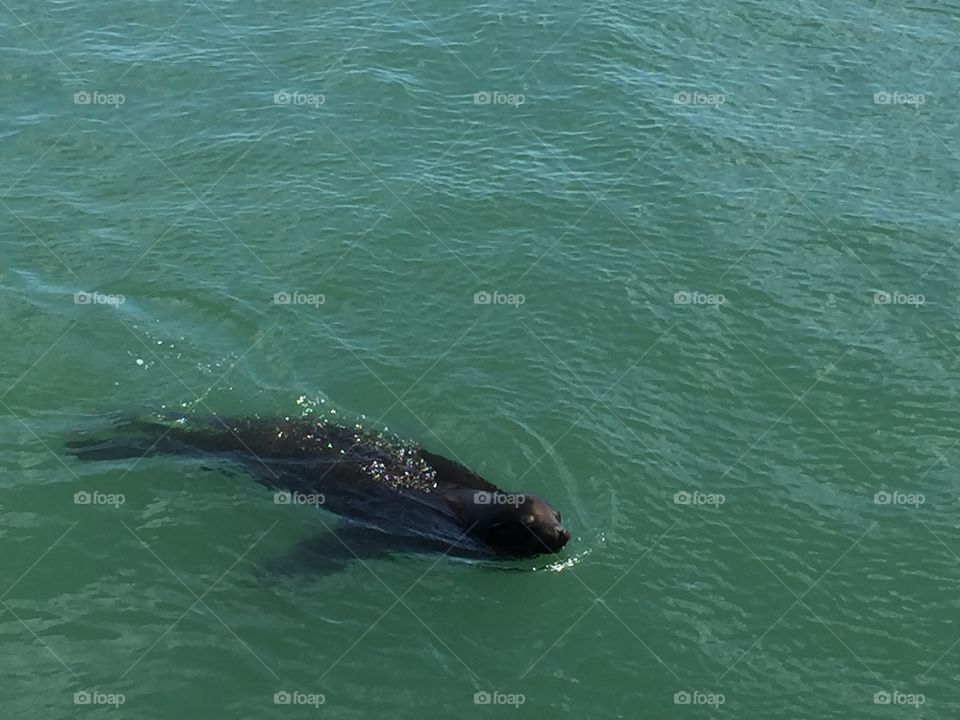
{"x": 528, "y": 520}
{"x": 559, "y": 518}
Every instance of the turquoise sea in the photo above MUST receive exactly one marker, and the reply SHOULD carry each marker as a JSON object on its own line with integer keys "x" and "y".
{"x": 688, "y": 270}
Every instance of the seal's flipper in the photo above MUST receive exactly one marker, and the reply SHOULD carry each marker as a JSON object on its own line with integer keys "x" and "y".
{"x": 333, "y": 550}
{"x": 126, "y": 439}
{"x": 138, "y": 435}
{"x": 119, "y": 448}
{"x": 346, "y": 543}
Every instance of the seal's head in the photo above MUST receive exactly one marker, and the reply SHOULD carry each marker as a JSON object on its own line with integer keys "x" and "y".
{"x": 514, "y": 523}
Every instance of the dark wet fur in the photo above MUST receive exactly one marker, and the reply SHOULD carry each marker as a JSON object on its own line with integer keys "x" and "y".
{"x": 397, "y": 496}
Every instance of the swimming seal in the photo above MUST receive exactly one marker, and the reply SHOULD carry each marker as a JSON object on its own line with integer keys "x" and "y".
{"x": 375, "y": 481}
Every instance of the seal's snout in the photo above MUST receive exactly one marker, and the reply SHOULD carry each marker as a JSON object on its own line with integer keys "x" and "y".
{"x": 548, "y": 525}
{"x": 558, "y": 538}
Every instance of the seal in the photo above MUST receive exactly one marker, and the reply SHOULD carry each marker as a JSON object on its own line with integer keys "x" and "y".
{"x": 370, "y": 479}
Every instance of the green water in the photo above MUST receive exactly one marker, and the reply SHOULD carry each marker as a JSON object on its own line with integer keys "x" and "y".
{"x": 730, "y": 151}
